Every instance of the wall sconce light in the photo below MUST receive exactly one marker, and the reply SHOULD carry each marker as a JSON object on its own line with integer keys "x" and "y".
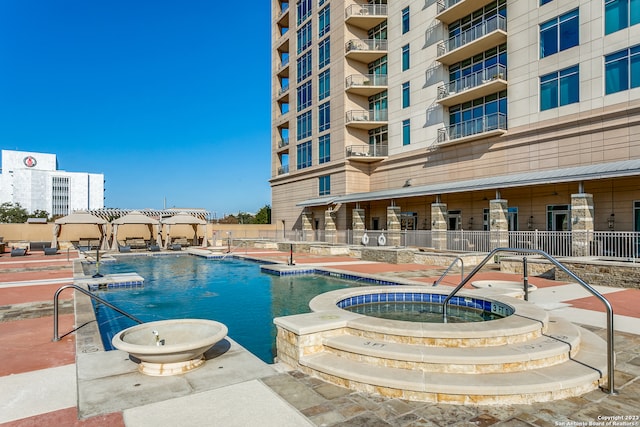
{"x": 576, "y": 219}
{"x": 612, "y": 221}
{"x": 433, "y": 223}
{"x": 530, "y": 223}
{"x": 493, "y": 222}
{"x": 470, "y": 221}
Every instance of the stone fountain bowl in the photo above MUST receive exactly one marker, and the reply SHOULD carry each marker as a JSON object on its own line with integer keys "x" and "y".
{"x": 170, "y": 347}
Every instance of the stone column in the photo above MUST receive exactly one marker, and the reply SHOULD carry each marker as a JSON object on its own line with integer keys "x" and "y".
{"x": 330, "y": 235}
{"x": 357, "y": 224}
{"x": 393, "y": 226}
{"x": 439, "y": 225}
{"x": 581, "y": 224}
{"x": 307, "y": 226}
{"x": 499, "y": 224}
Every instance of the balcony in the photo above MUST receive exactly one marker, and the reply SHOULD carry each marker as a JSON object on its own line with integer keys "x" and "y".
{"x": 283, "y": 15}
{"x": 481, "y": 83}
{"x": 477, "y": 39}
{"x": 366, "y": 16}
{"x": 367, "y": 153}
{"x": 366, "y": 84}
{"x": 284, "y": 169}
{"x": 283, "y": 68}
{"x": 367, "y": 119}
{"x": 283, "y": 93}
{"x": 366, "y": 50}
{"x": 479, "y": 128}
{"x": 283, "y": 143}
{"x": 452, "y": 10}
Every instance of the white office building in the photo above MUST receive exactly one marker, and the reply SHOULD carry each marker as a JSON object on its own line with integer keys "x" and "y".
{"x": 34, "y": 181}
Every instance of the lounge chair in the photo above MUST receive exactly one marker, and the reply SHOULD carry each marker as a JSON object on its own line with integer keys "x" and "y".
{"x": 154, "y": 248}
{"x": 18, "y": 252}
{"x": 50, "y": 251}
{"x": 175, "y": 247}
{"x": 124, "y": 248}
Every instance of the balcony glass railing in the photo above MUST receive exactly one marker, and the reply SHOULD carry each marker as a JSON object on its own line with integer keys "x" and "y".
{"x": 283, "y": 142}
{"x": 471, "y": 127}
{"x": 366, "y": 45}
{"x": 283, "y": 63}
{"x": 357, "y": 80}
{"x": 376, "y": 150}
{"x": 496, "y": 22}
{"x": 497, "y": 71}
{"x": 283, "y": 89}
{"x": 367, "y": 116}
{"x": 283, "y": 169}
{"x": 366, "y": 10}
{"x": 446, "y": 4}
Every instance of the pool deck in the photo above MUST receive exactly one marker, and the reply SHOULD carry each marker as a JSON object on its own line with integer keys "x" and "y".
{"x": 46, "y": 383}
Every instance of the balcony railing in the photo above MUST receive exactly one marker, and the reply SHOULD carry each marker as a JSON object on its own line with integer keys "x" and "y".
{"x": 488, "y": 123}
{"x": 366, "y": 45}
{"x": 470, "y": 81}
{"x": 366, "y": 10}
{"x": 283, "y": 142}
{"x": 283, "y": 169}
{"x": 496, "y": 22}
{"x": 446, "y": 4}
{"x": 360, "y": 80}
{"x": 283, "y": 89}
{"x": 367, "y": 116}
{"x": 375, "y": 150}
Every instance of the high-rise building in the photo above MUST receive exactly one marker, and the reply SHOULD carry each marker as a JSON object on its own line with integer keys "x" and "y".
{"x": 456, "y": 114}
{"x": 34, "y": 181}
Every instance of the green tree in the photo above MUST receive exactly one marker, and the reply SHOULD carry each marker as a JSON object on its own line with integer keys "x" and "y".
{"x": 10, "y": 213}
{"x": 38, "y": 213}
{"x": 263, "y": 216}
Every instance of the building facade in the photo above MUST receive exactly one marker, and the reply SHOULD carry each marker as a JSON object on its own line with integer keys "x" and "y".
{"x": 456, "y": 114}
{"x": 34, "y": 181}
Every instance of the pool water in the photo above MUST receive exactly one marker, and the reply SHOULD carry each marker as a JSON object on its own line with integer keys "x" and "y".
{"x": 422, "y": 312}
{"x": 230, "y": 291}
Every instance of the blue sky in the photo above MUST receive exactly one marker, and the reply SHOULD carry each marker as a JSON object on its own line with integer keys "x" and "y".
{"x": 168, "y": 99}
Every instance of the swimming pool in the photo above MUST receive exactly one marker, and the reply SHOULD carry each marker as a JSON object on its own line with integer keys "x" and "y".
{"x": 230, "y": 291}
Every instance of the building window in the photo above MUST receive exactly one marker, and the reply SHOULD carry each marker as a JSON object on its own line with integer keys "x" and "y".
{"x": 405, "y": 20}
{"x": 622, "y": 70}
{"x": 619, "y": 14}
{"x": 324, "y": 117}
{"x": 560, "y": 88}
{"x": 379, "y": 136}
{"x": 304, "y": 96}
{"x": 59, "y": 195}
{"x": 304, "y": 37}
{"x": 543, "y": 2}
{"x": 324, "y": 21}
{"x": 478, "y": 116}
{"x": 406, "y": 101}
{"x": 303, "y": 7}
{"x": 405, "y": 57}
{"x": 324, "y": 53}
{"x": 324, "y": 85}
{"x": 304, "y": 125}
{"x": 303, "y": 155}
{"x": 324, "y": 185}
{"x": 559, "y": 33}
{"x": 406, "y": 132}
{"x": 304, "y": 66}
{"x": 324, "y": 149}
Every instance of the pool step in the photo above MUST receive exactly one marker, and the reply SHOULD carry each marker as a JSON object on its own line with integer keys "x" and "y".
{"x": 573, "y": 377}
{"x": 561, "y": 341}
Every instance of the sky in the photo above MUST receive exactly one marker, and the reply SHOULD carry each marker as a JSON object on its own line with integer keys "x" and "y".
{"x": 169, "y": 99}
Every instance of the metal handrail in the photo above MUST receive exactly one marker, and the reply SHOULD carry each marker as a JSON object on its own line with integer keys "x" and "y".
{"x": 56, "y": 336}
{"x": 610, "y": 353}
{"x": 437, "y": 282}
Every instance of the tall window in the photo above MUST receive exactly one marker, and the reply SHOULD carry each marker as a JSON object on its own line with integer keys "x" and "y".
{"x": 303, "y": 155}
{"x": 622, "y": 70}
{"x": 560, "y": 88}
{"x": 619, "y": 14}
{"x": 406, "y": 94}
{"x": 559, "y": 33}
{"x": 324, "y": 21}
{"x": 405, "y": 57}
{"x": 379, "y": 136}
{"x": 304, "y": 37}
{"x": 477, "y": 116}
{"x": 324, "y": 185}
{"x": 406, "y": 132}
{"x": 324, "y": 149}
{"x": 378, "y": 106}
{"x": 324, "y": 117}
{"x": 324, "y": 53}
{"x": 303, "y": 122}
{"x": 543, "y": 2}
{"x": 303, "y": 7}
{"x": 304, "y": 96}
{"x": 304, "y": 66}
{"x": 405, "y": 20}
{"x": 324, "y": 85}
